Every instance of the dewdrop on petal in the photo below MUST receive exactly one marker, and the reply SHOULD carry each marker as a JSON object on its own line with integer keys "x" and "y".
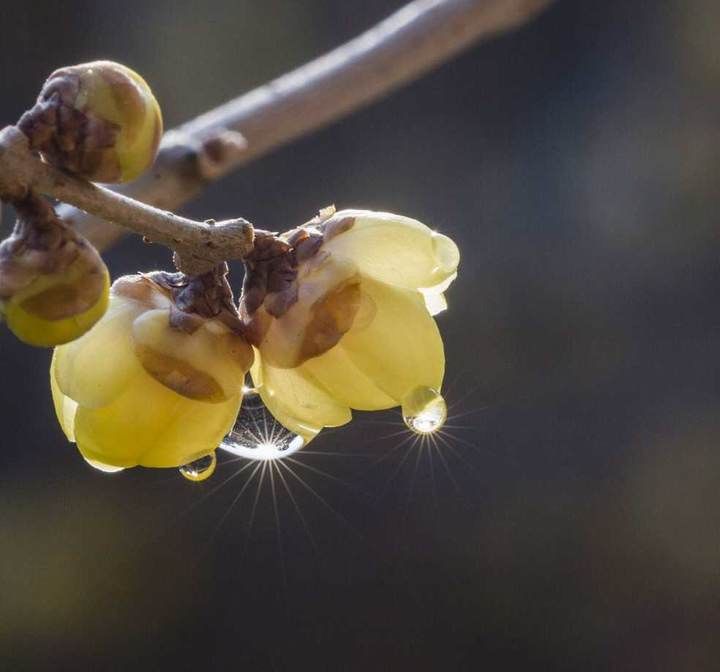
{"x": 150, "y": 385}
{"x": 201, "y": 469}
{"x": 257, "y": 436}
{"x": 424, "y": 410}
{"x": 343, "y": 319}
{"x": 98, "y": 120}
{"x": 53, "y": 284}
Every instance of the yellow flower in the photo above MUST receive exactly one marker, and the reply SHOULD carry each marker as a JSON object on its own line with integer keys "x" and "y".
{"x": 137, "y": 391}
{"x": 354, "y": 330}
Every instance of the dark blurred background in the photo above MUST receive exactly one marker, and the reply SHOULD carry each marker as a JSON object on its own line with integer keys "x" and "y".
{"x": 569, "y": 518}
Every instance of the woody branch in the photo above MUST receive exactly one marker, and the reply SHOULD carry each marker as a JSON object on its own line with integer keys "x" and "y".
{"x": 420, "y": 36}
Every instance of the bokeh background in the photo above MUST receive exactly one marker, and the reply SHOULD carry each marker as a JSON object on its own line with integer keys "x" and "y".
{"x": 570, "y": 516}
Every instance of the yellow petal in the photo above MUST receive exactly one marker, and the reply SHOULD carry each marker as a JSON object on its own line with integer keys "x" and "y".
{"x": 401, "y": 348}
{"x": 34, "y": 329}
{"x": 118, "y": 413}
{"x": 195, "y": 429}
{"x": 296, "y": 401}
{"x": 152, "y": 426}
{"x": 65, "y": 408}
{"x": 285, "y": 341}
{"x": 435, "y": 300}
{"x": 395, "y": 249}
{"x": 345, "y": 382}
{"x": 211, "y": 359}
{"x": 94, "y": 369}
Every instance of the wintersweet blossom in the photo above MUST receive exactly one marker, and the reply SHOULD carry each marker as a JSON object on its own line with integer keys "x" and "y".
{"x": 350, "y": 325}
{"x": 149, "y": 385}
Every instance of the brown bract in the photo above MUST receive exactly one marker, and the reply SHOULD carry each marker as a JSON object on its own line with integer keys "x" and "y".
{"x": 69, "y": 134}
{"x": 199, "y": 297}
{"x": 270, "y": 287}
{"x": 192, "y": 303}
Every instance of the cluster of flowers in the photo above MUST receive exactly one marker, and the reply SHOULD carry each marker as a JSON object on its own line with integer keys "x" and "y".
{"x": 334, "y": 315}
{"x": 352, "y": 330}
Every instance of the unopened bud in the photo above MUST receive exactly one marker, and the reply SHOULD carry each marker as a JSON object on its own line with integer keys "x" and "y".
{"x": 53, "y": 284}
{"x": 99, "y": 120}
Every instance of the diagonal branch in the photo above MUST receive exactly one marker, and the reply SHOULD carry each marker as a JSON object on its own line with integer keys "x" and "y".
{"x": 205, "y": 243}
{"x": 417, "y": 38}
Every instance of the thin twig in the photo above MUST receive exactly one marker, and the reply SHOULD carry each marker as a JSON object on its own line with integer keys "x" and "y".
{"x": 22, "y": 171}
{"x": 417, "y": 38}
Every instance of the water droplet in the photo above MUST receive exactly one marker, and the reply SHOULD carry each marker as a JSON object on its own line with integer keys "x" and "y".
{"x": 106, "y": 468}
{"x": 200, "y": 469}
{"x": 424, "y": 410}
{"x": 257, "y": 435}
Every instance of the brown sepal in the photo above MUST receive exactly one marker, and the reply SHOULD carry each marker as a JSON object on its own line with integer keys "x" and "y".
{"x": 206, "y": 296}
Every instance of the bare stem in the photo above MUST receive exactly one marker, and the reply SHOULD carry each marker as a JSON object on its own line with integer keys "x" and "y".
{"x": 417, "y": 38}
{"x": 420, "y": 36}
{"x": 204, "y": 243}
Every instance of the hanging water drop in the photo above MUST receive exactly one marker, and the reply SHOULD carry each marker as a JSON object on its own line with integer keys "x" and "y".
{"x": 424, "y": 410}
{"x": 107, "y": 468}
{"x": 200, "y": 469}
{"x": 257, "y": 435}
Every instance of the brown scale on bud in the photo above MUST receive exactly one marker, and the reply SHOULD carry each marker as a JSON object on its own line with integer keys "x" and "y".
{"x": 270, "y": 279}
{"x": 98, "y": 120}
{"x": 271, "y": 275}
{"x": 199, "y": 297}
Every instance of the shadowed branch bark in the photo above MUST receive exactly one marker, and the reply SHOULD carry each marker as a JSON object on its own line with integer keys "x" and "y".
{"x": 417, "y": 38}
{"x": 203, "y": 243}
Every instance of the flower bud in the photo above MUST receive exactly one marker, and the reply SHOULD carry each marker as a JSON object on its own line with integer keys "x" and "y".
{"x": 146, "y": 387}
{"x": 99, "y": 120}
{"x": 54, "y": 285}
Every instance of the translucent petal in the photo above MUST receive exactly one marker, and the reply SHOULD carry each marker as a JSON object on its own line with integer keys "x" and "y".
{"x": 65, "y": 408}
{"x": 194, "y": 429}
{"x": 96, "y": 367}
{"x": 401, "y": 349}
{"x": 395, "y": 249}
{"x": 296, "y": 401}
{"x": 435, "y": 303}
{"x": 440, "y": 287}
{"x": 137, "y": 151}
{"x": 307, "y": 432}
{"x": 133, "y": 109}
{"x": 152, "y": 426}
{"x": 284, "y": 340}
{"x": 435, "y": 300}
{"x": 345, "y": 382}
{"x": 105, "y": 468}
{"x": 211, "y": 353}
